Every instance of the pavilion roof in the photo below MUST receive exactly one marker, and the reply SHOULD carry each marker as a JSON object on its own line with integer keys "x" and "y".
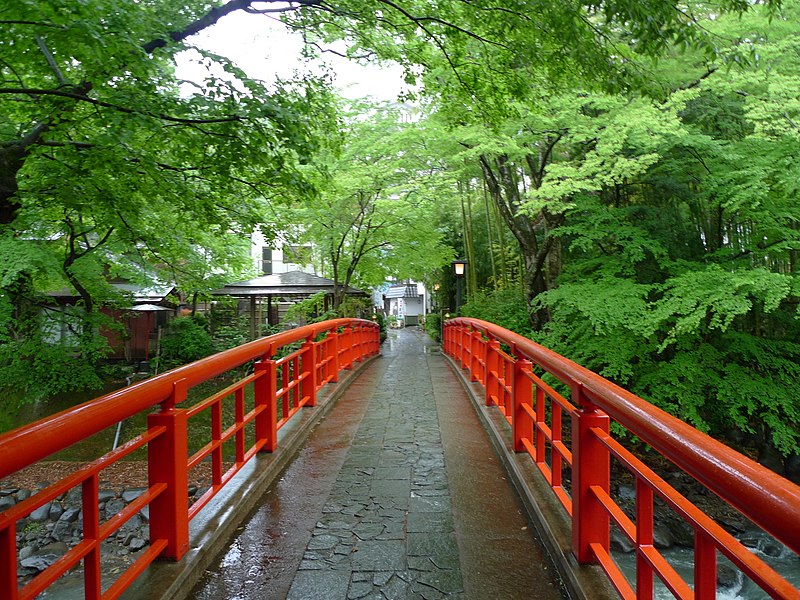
{"x": 292, "y": 283}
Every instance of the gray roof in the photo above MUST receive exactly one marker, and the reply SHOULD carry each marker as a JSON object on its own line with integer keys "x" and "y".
{"x": 403, "y": 291}
{"x": 293, "y": 283}
{"x": 141, "y": 293}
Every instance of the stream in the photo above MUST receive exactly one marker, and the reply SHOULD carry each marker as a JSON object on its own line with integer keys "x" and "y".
{"x": 733, "y": 585}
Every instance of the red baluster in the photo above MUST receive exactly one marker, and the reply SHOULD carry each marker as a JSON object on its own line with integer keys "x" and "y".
{"x": 265, "y": 389}
{"x": 309, "y": 366}
{"x": 522, "y": 391}
{"x": 591, "y": 463}
{"x": 167, "y": 464}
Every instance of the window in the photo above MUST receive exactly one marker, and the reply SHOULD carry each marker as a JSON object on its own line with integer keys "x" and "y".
{"x": 266, "y": 260}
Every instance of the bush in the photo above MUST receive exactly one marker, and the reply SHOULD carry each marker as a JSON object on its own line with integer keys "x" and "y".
{"x": 380, "y": 319}
{"x": 187, "y": 339}
{"x": 505, "y": 307}
{"x": 433, "y": 326}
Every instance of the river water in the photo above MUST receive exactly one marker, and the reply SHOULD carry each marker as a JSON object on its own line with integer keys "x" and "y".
{"x": 778, "y": 556}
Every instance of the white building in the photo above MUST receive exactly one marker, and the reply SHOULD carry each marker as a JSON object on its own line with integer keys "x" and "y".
{"x": 407, "y": 302}
{"x": 277, "y": 256}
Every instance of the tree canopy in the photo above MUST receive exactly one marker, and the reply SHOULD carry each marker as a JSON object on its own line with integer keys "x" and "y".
{"x": 623, "y": 177}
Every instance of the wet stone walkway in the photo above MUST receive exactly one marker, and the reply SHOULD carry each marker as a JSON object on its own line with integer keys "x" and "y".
{"x": 378, "y": 505}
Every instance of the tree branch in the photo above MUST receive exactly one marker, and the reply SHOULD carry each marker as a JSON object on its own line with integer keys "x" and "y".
{"x": 122, "y": 109}
{"x": 214, "y": 15}
{"x": 50, "y": 60}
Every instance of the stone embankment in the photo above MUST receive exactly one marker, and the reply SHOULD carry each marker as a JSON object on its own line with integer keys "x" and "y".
{"x": 52, "y": 529}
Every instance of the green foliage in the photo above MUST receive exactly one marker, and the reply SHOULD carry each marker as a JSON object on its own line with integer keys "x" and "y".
{"x": 381, "y": 320}
{"x": 374, "y": 217}
{"x": 37, "y": 363}
{"x": 309, "y": 310}
{"x": 187, "y": 339}
{"x": 433, "y": 326}
{"x": 505, "y": 307}
{"x": 230, "y": 333}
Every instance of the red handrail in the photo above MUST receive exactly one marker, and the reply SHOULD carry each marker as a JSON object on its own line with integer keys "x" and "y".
{"x": 770, "y": 501}
{"x": 31, "y": 443}
{"x": 303, "y": 372}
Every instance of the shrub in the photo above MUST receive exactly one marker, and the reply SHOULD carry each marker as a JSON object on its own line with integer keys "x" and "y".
{"x": 433, "y": 326}
{"x": 187, "y": 339}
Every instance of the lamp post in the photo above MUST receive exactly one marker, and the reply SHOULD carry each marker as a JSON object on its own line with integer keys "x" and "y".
{"x": 459, "y": 268}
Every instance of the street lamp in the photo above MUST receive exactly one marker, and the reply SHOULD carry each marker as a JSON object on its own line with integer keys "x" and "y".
{"x": 459, "y": 268}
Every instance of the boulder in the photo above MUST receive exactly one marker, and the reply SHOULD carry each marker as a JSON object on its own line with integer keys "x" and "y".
{"x": 56, "y": 510}
{"x": 113, "y": 507}
{"x": 137, "y": 544}
{"x": 132, "y": 494}
{"x": 40, "y": 514}
{"x": 39, "y": 562}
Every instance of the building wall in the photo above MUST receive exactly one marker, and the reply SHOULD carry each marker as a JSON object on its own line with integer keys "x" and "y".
{"x": 276, "y": 256}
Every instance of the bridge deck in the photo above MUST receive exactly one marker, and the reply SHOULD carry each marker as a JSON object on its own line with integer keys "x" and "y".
{"x": 397, "y": 494}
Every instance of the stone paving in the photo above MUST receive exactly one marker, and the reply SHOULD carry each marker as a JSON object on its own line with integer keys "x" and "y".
{"x": 397, "y": 494}
{"x": 387, "y": 527}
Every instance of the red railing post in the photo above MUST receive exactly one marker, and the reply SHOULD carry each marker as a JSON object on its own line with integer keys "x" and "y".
{"x": 522, "y": 393}
{"x": 309, "y": 366}
{"x": 459, "y": 345}
{"x": 478, "y": 352}
{"x": 167, "y": 464}
{"x": 492, "y": 362}
{"x": 8, "y": 561}
{"x": 265, "y": 388}
{"x": 333, "y": 349}
{"x": 591, "y": 467}
{"x": 705, "y": 567}
{"x": 347, "y": 348}
{"x": 90, "y": 492}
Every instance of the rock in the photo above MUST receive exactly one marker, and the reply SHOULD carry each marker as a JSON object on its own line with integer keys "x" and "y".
{"x": 70, "y": 515}
{"x": 135, "y": 522}
{"x": 7, "y": 502}
{"x": 56, "y": 510}
{"x": 620, "y": 542}
{"x": 65, "y": 524}
{"x": 26, "y": 552}
{"x": 106, "y": 495}
{"x": 662, "y": 537}
{"x": 73, "y": 498}
{"x": 53, "y": 548}
{"x": 145, "y": 513}
{"x": 727, "y": 577}
{"x": 137, "y": 544}
{"x": 40, "y": 514}
{"x": 23, "y": 495}
{"x": 192, "y": 490}
{"x": 39, "y": 562}
{"x": 113, "y": 507}
{"x": 131, "y": 494}
{"x": 626, "y": 492}
{"x": 771, "y": 547}
{"x": 8, "y": 491}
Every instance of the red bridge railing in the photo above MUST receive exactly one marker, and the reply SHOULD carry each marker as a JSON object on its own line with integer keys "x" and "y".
{"x": 290, "y": 369}
{"x": 573, "y": 435}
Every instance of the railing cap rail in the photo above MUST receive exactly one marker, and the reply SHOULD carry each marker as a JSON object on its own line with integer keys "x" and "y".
{"x": 26, "y": 445}
{"x": 771, "y": 501}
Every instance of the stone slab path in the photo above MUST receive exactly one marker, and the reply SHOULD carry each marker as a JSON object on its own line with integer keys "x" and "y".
{"x": 396, "y": 495}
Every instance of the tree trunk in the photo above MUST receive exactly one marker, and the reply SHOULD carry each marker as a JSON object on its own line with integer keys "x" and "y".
{"x": 534, "y": 244}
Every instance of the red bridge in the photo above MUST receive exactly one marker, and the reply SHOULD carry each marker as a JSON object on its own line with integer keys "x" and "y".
{"x": 411, "y": 501}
